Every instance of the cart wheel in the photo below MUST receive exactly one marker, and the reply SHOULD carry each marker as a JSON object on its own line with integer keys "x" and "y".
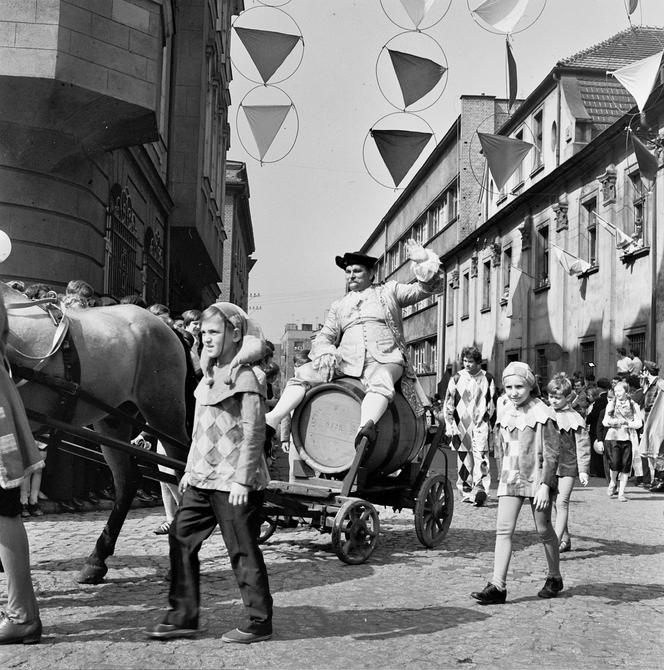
{"x": 268, "y": 526}
{"x": 433, "y": 510}
{"x": 355, "y": 531}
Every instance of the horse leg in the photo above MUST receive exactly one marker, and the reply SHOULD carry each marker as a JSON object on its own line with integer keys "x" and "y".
{"x": 126, "y": 479}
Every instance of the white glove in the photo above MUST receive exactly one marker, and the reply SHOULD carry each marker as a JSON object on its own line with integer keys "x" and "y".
{"x": 326, "y": 364}
{"x": 425, "y": 262}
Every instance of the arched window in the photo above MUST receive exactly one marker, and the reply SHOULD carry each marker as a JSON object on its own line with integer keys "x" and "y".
{"x": 120, "y": 244}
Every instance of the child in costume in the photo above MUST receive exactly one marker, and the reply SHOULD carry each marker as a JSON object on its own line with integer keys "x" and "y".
{"x": 528, "y": 450}
{"x": 622, "y": 419}
{"x": 574, "y": 452}
{"x": 223, "y": 479}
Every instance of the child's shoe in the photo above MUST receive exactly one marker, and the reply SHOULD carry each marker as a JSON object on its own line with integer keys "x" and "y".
{"x": 611, "y": 490}
{"x": 490, "y": 595}
{"x": 552, "y": 587}
{"x": 623, "y": 498}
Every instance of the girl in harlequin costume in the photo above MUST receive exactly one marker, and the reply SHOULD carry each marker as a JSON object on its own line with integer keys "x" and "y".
{"x": 574, "y": 452}
{"x": 528, "y": 449}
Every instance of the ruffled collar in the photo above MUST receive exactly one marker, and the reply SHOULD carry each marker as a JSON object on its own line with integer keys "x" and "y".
{"x": 569, "y": 419}
{"x": 532, "y": 412}
{"x": 354, "y": 298}
{"x": 215, "y": 389}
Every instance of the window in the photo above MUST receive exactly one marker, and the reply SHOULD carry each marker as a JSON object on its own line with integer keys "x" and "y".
{"x": 588, "y": 358}
{"x": 512, "y": 356}
{"x": 589, "y": 231}
{"x": 541, "y": 367}
{"x": 449, "y": 307}
{"x": 518, "y": 175}
{"x": 537, "y": 140}
{"x": 433, "y": 218}
{"x": 465, "y": 297}
{"x": 486, "y": 285}
{"x": 392, "y": 258}
{"x": 637, "y": 343}
{"x": 637, "y": 225}
{"x": 507, "y": 271}
{"x": 448, "y": 205}
{"x": 418, "y": 231}
{"x": 542, "y": 269}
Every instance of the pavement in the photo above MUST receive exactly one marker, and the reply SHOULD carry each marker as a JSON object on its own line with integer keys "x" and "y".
{"x": 407, "y": 607}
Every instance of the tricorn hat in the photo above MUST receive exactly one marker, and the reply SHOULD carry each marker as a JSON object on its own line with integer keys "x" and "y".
{"x": 355, "y": 258}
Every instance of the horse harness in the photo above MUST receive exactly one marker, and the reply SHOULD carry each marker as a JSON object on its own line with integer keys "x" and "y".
{"x": 67, "y": 387}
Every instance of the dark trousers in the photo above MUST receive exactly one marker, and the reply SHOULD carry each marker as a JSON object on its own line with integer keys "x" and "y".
{"x": 198, "y": 515}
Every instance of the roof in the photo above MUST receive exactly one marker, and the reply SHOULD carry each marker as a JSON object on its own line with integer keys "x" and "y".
{"x": 619, "y": 50}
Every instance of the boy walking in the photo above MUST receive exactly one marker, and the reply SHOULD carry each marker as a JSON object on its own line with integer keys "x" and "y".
{"x": 223, "y": 480}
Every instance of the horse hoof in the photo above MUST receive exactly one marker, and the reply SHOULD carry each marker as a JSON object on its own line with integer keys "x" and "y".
{"x": 92, "y": 574}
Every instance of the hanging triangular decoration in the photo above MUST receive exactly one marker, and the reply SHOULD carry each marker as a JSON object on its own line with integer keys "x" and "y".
{"x": 399, "y": 149}
{"x": 503, "y": 154}
{"x": 417, "y": 9}
{"x": 503, "y": 15}
{"x": 647, "y": 161}
{"x": 631, "y": 8}
{"x": 417, "y": 76}
{"x": 265, "y": 122}
{"x": 512, "y": 81}
{"x": 267, "y": 49}
{"x": 639, "y": 78}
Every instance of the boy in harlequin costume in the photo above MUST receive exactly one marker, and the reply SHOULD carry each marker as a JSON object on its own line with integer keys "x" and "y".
{"x": 223, "y": 479}
{"x": 528, "y": 449}
{"x": 574, "y": 452}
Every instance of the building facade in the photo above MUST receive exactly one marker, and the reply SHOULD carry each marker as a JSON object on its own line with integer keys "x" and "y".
{"x": 296, "y": 338}
{"x": 507, "y": 253}
{"x": 237, "y": 261}
{"x": 576, "y": 195}
{"x": 102, "y": 149}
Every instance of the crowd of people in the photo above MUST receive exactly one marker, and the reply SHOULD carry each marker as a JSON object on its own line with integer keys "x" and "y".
{"x": 542, "y": 438}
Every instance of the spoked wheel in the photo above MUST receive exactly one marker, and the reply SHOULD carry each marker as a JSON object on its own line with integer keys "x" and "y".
{"x": 268, "y": 526}
{"x": 355, "y": 531}
{"x": 433, "y": 510}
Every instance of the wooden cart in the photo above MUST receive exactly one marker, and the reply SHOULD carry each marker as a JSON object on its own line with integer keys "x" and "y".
{"x": 393, "y": 472}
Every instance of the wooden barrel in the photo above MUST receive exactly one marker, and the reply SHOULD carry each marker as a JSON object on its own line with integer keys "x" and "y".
{"x": 326, "y": 422}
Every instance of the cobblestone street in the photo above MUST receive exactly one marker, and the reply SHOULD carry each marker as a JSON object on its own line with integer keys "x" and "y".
{"x": 406, "y": 607}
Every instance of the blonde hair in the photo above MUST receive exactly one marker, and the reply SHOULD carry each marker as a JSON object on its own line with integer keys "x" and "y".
{"x": 560, "y": 383}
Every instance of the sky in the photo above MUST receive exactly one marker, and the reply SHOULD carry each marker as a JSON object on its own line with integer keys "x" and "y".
{"x": 319, "y": 201}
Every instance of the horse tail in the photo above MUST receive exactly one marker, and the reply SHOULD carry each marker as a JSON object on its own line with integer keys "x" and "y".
{"x": 190, "y": 384}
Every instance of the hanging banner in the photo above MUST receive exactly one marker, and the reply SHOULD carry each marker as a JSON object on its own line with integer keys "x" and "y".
{"x": 267, "y": 49}
{"x": 622, "y": 240}
{"x": 639, "y": 78}
{"x": 647, "y": 161}
{"x": 572, "y": 264}
{"x": 417, "y": 76}
{"x": 417, "y": 9}
{"x": 631, "y": 8}
{"x": 503, "y": 155}
{"x": 265, "y": 122}
{"x": 399, "y": 150}
{"x": 503, "y": 15}
{"x": 512, "y": 82}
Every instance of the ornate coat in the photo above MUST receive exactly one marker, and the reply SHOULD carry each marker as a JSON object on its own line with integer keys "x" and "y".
{"x": 351, "y": 335}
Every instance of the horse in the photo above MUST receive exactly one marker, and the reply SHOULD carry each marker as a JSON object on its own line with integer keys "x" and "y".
{"x": 130, "y": 360}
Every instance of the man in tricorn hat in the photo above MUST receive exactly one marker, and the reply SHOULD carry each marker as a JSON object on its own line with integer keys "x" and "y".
{"x": 363, "y": 337}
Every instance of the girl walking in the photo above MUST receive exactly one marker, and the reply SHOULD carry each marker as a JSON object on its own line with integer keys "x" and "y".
{"x": 574, "y": 452}
{"x": 528, "y": 449}
{"x": 622, "y": 419}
